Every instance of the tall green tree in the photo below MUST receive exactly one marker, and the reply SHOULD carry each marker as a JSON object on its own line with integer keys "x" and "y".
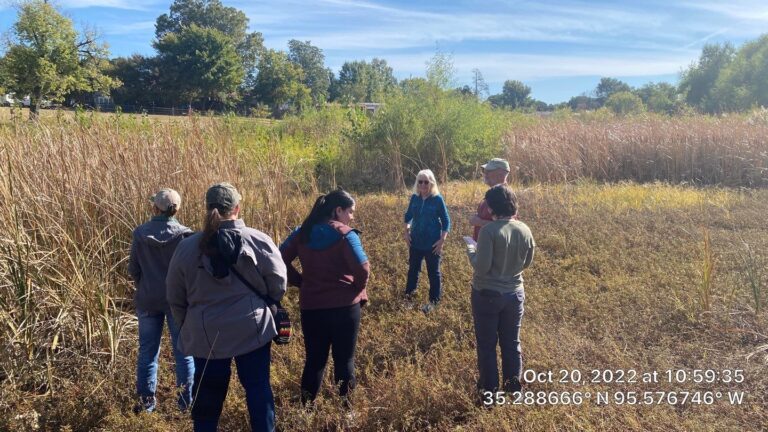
{"x": 230, "y": 21}
{"x": 609, "y": 86}
{"x": 312, "y": 61}
{"x": 743, "y": 83}
{"x": 383, "y": 81}
{"x": 199, "y": 63}
{"x": 334, "y": 91}
{"x": 46, "y": 58}
{"x": 514, "y": 95}
{"x": 140, "y": 76}
{"x": 280, "y": 84}
{"x": 2, "y": 77}
{"x": 360, "y": 81}
{"x": 698, "y": 81}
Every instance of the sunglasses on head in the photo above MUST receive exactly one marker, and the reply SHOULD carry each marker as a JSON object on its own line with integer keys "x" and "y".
{"x": 423, "y": 182}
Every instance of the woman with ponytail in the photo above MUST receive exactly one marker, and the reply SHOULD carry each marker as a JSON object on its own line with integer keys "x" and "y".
{"x": 218, "y": 286}
{"x": 331, "y": 286}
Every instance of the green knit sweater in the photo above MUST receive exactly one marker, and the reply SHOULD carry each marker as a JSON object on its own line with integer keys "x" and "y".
{"x": 504, "y": 248}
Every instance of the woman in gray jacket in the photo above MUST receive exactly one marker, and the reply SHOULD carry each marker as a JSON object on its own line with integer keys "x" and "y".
{"x": 218, "y": 283}
{"x": 152, "y": 247}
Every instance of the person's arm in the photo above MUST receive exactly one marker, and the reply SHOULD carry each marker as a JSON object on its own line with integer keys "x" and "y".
{"x": 289, "y": 251}
{"x": 529, "y": 256}
{"x": 445, "y": 222}
{"x": 481, "y": 256}
{"x": 134, "y": 269}
{"x": 407, "y": 234}
{"x": 272, "y": 269}
{"x": 357, "y": 260}
{"x": 445, "y": 218}
{"x": 408, "y": 217}
{"x": 175, "y": 289}
{"x": 476, "y": 220}
{"x": 483, "y": 216}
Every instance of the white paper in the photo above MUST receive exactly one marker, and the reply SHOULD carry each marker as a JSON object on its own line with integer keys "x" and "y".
{"x": 469, "y": 241}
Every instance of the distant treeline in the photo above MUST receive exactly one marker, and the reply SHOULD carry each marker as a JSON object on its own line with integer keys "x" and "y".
{"x": 207, "y": 60}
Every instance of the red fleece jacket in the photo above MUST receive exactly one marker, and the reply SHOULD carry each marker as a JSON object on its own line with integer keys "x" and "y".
{"x": 331, "y": 277}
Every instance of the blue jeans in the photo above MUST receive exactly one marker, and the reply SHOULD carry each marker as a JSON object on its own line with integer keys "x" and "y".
{"x": 212, "y": 382}
{"x": 415, "y": 256}
{"x": 497, "y": 320}
{"x": 150, "y": 331}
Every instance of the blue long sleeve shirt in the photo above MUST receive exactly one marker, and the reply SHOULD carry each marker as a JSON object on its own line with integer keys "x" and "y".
{"x": 428, "y": 217}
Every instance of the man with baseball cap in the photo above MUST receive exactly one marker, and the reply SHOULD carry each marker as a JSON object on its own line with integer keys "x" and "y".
{"x": 153, "y": 245}
{"x": 495, "y": 172}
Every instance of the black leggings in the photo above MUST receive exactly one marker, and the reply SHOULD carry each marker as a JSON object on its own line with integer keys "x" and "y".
{"x": 324, "y": 329}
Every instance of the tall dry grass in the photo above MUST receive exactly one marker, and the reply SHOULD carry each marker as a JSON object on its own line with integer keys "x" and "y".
{"x": 72, "y": 193}
{"x": 730, "y": 151}
{"x": 615, "y": 285}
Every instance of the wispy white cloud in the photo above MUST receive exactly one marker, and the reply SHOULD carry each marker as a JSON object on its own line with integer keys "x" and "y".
{"x": 394, "y": 34}
{"x": 532, "y": 66}
{"x": 708, "y": 37}
{"x": 748, "y": 10}
{"x": 498, "y": 67}
{"x": 113, "y": 4}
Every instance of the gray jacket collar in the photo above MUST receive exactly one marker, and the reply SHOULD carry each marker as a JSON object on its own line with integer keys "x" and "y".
{"x": 229, "y": 224}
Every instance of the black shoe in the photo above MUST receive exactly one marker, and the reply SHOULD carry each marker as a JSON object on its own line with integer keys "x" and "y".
{"x": 513, "y": 386}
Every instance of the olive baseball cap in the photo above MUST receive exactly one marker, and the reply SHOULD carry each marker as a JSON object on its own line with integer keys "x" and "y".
{"x": 495, "y": 164}
{"x": 222, "y": 195}
{"x": 166, "y": 198}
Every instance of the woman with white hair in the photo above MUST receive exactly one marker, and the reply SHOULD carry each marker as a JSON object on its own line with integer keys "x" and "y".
{"x": 426, "y": 226}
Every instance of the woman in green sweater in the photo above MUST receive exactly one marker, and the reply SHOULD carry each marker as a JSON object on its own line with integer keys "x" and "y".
{"x": 503, "y": 249}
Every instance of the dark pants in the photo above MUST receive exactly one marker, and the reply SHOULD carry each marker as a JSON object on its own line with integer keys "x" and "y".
{"x": 335, "y": 329}
{"x": 415, "y": 256}
{"x": 497, "y": 318}
{"x": 212, "y": 381}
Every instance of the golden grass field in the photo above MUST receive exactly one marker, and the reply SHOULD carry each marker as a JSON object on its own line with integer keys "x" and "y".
{"x": 644, "y": 277}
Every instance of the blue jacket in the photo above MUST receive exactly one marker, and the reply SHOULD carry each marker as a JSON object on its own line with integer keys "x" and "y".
{"x": 428, "y": 217}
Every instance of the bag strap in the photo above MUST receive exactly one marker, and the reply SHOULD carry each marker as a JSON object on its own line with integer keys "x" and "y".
{"x": 268, "y": 300}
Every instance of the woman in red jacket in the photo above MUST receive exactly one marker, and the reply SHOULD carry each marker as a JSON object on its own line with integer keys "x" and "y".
{"x": 332, "y": 284}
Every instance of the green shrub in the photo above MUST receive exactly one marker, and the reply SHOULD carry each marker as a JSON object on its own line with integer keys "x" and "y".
{"x": 426, "y": 127}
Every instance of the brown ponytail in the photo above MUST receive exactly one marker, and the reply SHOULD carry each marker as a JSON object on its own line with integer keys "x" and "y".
{"x": 212, "y": 222}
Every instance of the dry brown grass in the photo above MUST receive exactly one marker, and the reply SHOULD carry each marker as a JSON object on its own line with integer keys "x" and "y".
{"x": 730, "y": 151}
{"x": 615, "y": 285}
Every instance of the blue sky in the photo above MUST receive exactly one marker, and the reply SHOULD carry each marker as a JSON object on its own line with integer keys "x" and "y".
{"x": 560, "y": 48}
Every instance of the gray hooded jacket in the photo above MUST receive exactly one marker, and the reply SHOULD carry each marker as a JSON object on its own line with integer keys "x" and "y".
{"x": 152, "y": 247}
{"x": 222, "y": 317}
